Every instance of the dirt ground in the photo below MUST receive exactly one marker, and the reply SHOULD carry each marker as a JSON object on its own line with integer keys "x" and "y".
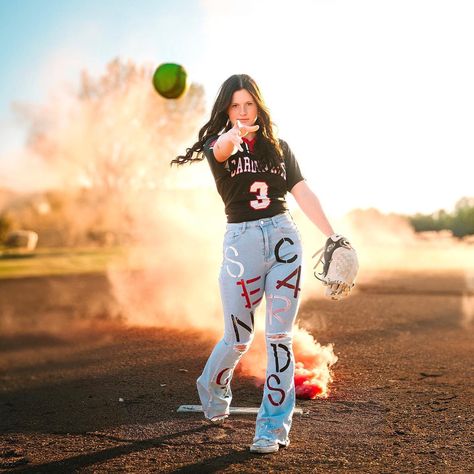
{"x": 81, "y": 392}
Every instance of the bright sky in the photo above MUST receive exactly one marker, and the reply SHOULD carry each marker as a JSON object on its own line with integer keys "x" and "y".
{"x": 375, "y": 98}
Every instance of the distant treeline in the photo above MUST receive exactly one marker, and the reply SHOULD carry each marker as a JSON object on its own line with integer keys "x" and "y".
{"x": 460, "y": 221}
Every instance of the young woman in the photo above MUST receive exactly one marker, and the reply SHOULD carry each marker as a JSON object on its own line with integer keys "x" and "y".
{"x": 262, "y": 252}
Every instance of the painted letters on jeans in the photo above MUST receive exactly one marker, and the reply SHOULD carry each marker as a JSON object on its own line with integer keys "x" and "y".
{"x": 246, "y": 294}
{"x": 274, "y": 312}
{"x": 296, "y": 287}
{"x": 226, "y": 257}
{"x": 275, "y": 389}
{"x": 275, "y": 354}
{"x": 236, "y": 320}
{"x": 219, "y": 376}
{"x": 277, "y": 251}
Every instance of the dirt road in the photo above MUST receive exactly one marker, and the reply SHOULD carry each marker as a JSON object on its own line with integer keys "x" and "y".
{"x": 80, "y": 392}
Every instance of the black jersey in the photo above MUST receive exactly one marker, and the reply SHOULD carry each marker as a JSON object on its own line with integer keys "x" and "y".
{"x": 250, "y": 192}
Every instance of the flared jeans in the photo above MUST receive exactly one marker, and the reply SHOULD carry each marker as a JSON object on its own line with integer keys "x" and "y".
{"x": 261, "y": 258}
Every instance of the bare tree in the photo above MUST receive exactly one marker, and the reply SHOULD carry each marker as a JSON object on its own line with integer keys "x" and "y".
{"x": 117, "y": 134}
{"x": 111, "y": 143}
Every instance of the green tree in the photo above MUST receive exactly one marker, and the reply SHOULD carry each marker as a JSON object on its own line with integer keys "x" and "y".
{"x": 460, "y": 222}
{"x": 463, "y": 218}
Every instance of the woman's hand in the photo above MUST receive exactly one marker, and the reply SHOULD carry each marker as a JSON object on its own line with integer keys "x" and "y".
{"x": 237, "y": 132}
{"x": 229, "y": 142}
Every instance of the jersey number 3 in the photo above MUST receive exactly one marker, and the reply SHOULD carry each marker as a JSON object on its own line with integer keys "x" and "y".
{"x": 260, "y": 188}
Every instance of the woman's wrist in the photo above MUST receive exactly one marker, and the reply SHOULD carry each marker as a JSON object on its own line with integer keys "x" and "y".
{"x": 223, "y": 140}
{"x": 223, "y": 147}
{"x": 226, "y": 138}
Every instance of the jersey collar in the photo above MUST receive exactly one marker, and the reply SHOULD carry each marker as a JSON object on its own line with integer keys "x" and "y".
{"x": 250, "y": 143}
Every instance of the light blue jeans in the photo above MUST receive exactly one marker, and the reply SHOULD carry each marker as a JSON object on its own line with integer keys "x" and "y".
{"x": 261, "y": 257}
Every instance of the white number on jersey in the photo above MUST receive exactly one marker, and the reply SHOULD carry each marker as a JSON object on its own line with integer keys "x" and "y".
{"x": 260, "y": 188}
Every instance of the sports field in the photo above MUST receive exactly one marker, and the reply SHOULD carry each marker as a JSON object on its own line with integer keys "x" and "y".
{"x": 83, "y": 392}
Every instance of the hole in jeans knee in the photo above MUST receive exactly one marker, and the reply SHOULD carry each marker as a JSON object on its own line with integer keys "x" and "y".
{"x": 278, "y": 336}
{"x": 241, "y": 347}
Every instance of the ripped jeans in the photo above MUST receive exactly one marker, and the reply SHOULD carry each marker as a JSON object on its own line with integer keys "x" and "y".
{"x": 259, "y": 257}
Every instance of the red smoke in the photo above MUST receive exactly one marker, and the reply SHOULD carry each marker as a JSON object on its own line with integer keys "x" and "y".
{"x": 313, "y": 365}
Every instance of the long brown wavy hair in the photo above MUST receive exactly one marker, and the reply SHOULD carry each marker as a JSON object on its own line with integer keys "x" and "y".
{"x": 267, "y": 147}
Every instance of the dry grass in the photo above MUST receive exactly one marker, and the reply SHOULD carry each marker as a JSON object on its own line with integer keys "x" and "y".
{"x": 56, "y": 261}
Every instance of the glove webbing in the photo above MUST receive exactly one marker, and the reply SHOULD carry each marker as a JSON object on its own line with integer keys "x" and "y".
{"x": 329, "y": 248}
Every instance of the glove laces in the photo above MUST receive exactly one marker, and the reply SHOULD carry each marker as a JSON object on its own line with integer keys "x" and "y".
{"x": 319, "y": 262}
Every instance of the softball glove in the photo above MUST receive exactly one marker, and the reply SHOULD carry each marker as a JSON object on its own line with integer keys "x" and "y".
{"x": 340, "y": 266}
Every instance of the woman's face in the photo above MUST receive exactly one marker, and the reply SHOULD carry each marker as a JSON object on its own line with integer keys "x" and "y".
{"x": 243, "y": 108}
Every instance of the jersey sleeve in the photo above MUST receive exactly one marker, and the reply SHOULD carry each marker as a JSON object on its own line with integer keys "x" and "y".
{"x": 218, "y": 169}
{"x": 293, "y": 172}
{"x": 208, "y": 148}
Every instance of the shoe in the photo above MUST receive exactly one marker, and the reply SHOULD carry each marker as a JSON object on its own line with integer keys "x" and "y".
{"x": 218, "y": 420}
{"x": 265, "y": 446}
